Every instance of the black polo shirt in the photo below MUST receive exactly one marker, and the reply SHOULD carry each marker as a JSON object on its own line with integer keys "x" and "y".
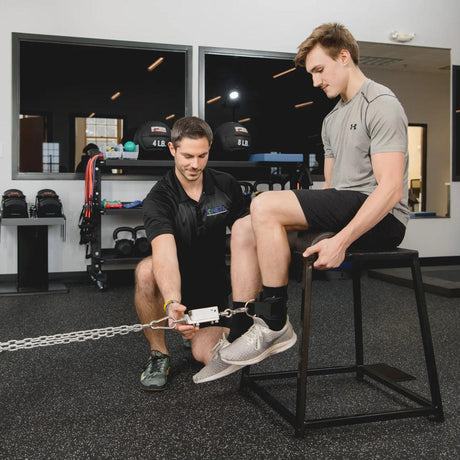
{"x": 199, "y": 229}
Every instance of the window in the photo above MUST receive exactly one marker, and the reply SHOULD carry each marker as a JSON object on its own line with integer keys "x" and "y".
{"x": 69, "y": 92}
{"x": 276, "y": 102}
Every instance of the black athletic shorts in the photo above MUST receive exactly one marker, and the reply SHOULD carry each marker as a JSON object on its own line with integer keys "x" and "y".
{"x": 331, "y": 210}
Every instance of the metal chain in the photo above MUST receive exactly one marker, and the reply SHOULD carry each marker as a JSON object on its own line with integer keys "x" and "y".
{"x": 81, "y": 336}
{"x": 96, "y": 334}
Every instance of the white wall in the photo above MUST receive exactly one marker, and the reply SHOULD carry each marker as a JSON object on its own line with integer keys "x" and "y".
{"x": 247, "y": 24}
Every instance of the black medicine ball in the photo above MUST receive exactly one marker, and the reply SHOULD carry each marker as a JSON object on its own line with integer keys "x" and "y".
{"x": 232, "y": 141}
{"x": 153, "y": 138}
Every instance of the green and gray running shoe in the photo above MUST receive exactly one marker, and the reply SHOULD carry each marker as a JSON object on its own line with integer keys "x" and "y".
{"x": 156, "y": 372}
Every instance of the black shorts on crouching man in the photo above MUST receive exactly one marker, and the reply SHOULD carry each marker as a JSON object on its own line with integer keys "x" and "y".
{"x": 331, "y": 210}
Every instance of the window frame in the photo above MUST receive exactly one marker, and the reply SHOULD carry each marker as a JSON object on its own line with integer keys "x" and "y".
{"x": 17, "y": 38}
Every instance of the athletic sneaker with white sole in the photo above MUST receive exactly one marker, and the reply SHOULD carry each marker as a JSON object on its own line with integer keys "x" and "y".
{"x": 216, "y": 368}
{"x": 258, "y": 343}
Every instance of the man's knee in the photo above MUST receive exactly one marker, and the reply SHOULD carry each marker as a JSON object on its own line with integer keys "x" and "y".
{"x": 143, "y": 274}
{"x": 242, "y": 235}
{"x": 263, "y": 208}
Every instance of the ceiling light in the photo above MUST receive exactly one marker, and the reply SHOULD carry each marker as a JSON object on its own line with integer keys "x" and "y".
{"x": 243, "y": 120}
{"x": 234, "y": 95}
{"x": 170, "y": 116}
{"x": 155, "y": 64}
{"x": 303, "y": 104}
{"x": 114, "y": 96}
{"x": 284, "y": 73}
{"x": 457, "y": 111}
{"x": 91, "y": 115}
{"x": 214, "y": 99}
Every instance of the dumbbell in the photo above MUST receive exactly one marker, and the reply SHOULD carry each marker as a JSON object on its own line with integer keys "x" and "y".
{"x": 142, "y": 245}
{"x": 124, "y": 246}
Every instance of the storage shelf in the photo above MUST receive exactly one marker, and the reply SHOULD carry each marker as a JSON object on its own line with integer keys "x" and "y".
{"x": 105, "y": 259}
{"x": 127, "y": 211}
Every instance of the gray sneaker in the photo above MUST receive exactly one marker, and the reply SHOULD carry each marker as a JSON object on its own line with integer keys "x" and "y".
{"x": 258, "y": 343}
{"x": 216, "y": 368}
{"x": 156, "y": 372}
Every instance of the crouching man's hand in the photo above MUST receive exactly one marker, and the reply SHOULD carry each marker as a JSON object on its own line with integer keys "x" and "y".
{"x": 177, "y": 311}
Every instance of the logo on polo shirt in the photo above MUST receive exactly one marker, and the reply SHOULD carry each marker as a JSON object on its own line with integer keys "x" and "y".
{"x": 217, "y": 210}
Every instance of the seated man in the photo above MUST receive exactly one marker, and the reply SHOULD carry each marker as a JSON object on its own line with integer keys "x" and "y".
{"x": 364, "y": 200}
{"x": 186, "y": 215}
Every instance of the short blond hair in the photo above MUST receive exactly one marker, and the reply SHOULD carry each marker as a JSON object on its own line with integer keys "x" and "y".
{"x": 333, "y": 37}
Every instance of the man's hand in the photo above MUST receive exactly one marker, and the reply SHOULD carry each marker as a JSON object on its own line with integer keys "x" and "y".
{"x": 177, "y": 311}
{"x": 330, "y": 251}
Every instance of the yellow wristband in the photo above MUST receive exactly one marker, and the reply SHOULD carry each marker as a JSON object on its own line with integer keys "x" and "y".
{"x": 167, "y": 303}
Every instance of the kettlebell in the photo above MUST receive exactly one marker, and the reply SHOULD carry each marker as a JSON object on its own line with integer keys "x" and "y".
{"x": 124, "y": 247}
{"x": 142, "y": 246}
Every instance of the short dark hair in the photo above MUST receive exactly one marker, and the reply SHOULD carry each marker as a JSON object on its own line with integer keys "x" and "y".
{"x": 333, "y": 37}
{"x": 192, "y": 127}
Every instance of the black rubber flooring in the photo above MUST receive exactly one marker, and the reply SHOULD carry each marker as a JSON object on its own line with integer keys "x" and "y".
{"x": 83, "y": 401}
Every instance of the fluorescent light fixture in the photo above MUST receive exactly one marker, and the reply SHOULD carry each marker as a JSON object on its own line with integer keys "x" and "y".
{"x": 457, "y": 111}
{"x": 303, "y": 104}
{"x": 214, "y": 99}
{"x": 91, "y": 115}
{"x": 114, "y": 96}
{"x": 170, "y": 116}
{"x": 243, "y": 120}
{"x": 284, "y": 73}
{"x": 155, "y": 64}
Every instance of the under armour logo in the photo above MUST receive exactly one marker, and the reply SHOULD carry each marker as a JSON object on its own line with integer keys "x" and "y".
{"x": 353, "y": 126}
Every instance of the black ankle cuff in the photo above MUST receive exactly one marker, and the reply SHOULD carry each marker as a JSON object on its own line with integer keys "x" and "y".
{"x": 280, "y": 291}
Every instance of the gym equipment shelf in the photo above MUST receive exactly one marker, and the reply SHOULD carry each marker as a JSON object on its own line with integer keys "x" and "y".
{"x": 127, "y": 211}
{"x": 32, "y": 241}
{"x": 107, "y": 259}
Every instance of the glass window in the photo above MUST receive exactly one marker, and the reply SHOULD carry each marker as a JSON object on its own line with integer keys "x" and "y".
{"x": 73, "y": 91}
{"x": 276, "y": 102}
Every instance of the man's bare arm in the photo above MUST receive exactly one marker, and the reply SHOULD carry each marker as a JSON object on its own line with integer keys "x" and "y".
{"x": 389, "y": 172}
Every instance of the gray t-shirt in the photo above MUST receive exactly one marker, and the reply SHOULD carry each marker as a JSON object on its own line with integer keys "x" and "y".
{"x": 373, "y": 121}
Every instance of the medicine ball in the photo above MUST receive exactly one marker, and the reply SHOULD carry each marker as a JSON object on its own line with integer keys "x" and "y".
{"x": 124, "y": 246}
{"x": 47, "y": 203}
{"x": 14, "y": 204}
{"x": 142, "y": 245}
{"x": 232, "y": 141}
{"x": 153, "y": 138}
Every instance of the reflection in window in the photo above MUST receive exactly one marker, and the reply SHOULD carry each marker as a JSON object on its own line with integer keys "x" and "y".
{"x": 66, "y": 82}
{"x": 276, "y": 102}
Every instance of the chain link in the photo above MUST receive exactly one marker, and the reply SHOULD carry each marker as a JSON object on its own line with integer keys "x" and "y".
{"x": 96, "y": 334}
{"x": 80, "y": 336}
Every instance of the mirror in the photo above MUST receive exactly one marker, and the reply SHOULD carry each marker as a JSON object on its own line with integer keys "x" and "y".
{"x": 420, "y": 78}
{"x": 276, "y": 102}
{"x": 72, "y": 92}
{"x": 283, "y": 112}
{"x": 456, "y": 123}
